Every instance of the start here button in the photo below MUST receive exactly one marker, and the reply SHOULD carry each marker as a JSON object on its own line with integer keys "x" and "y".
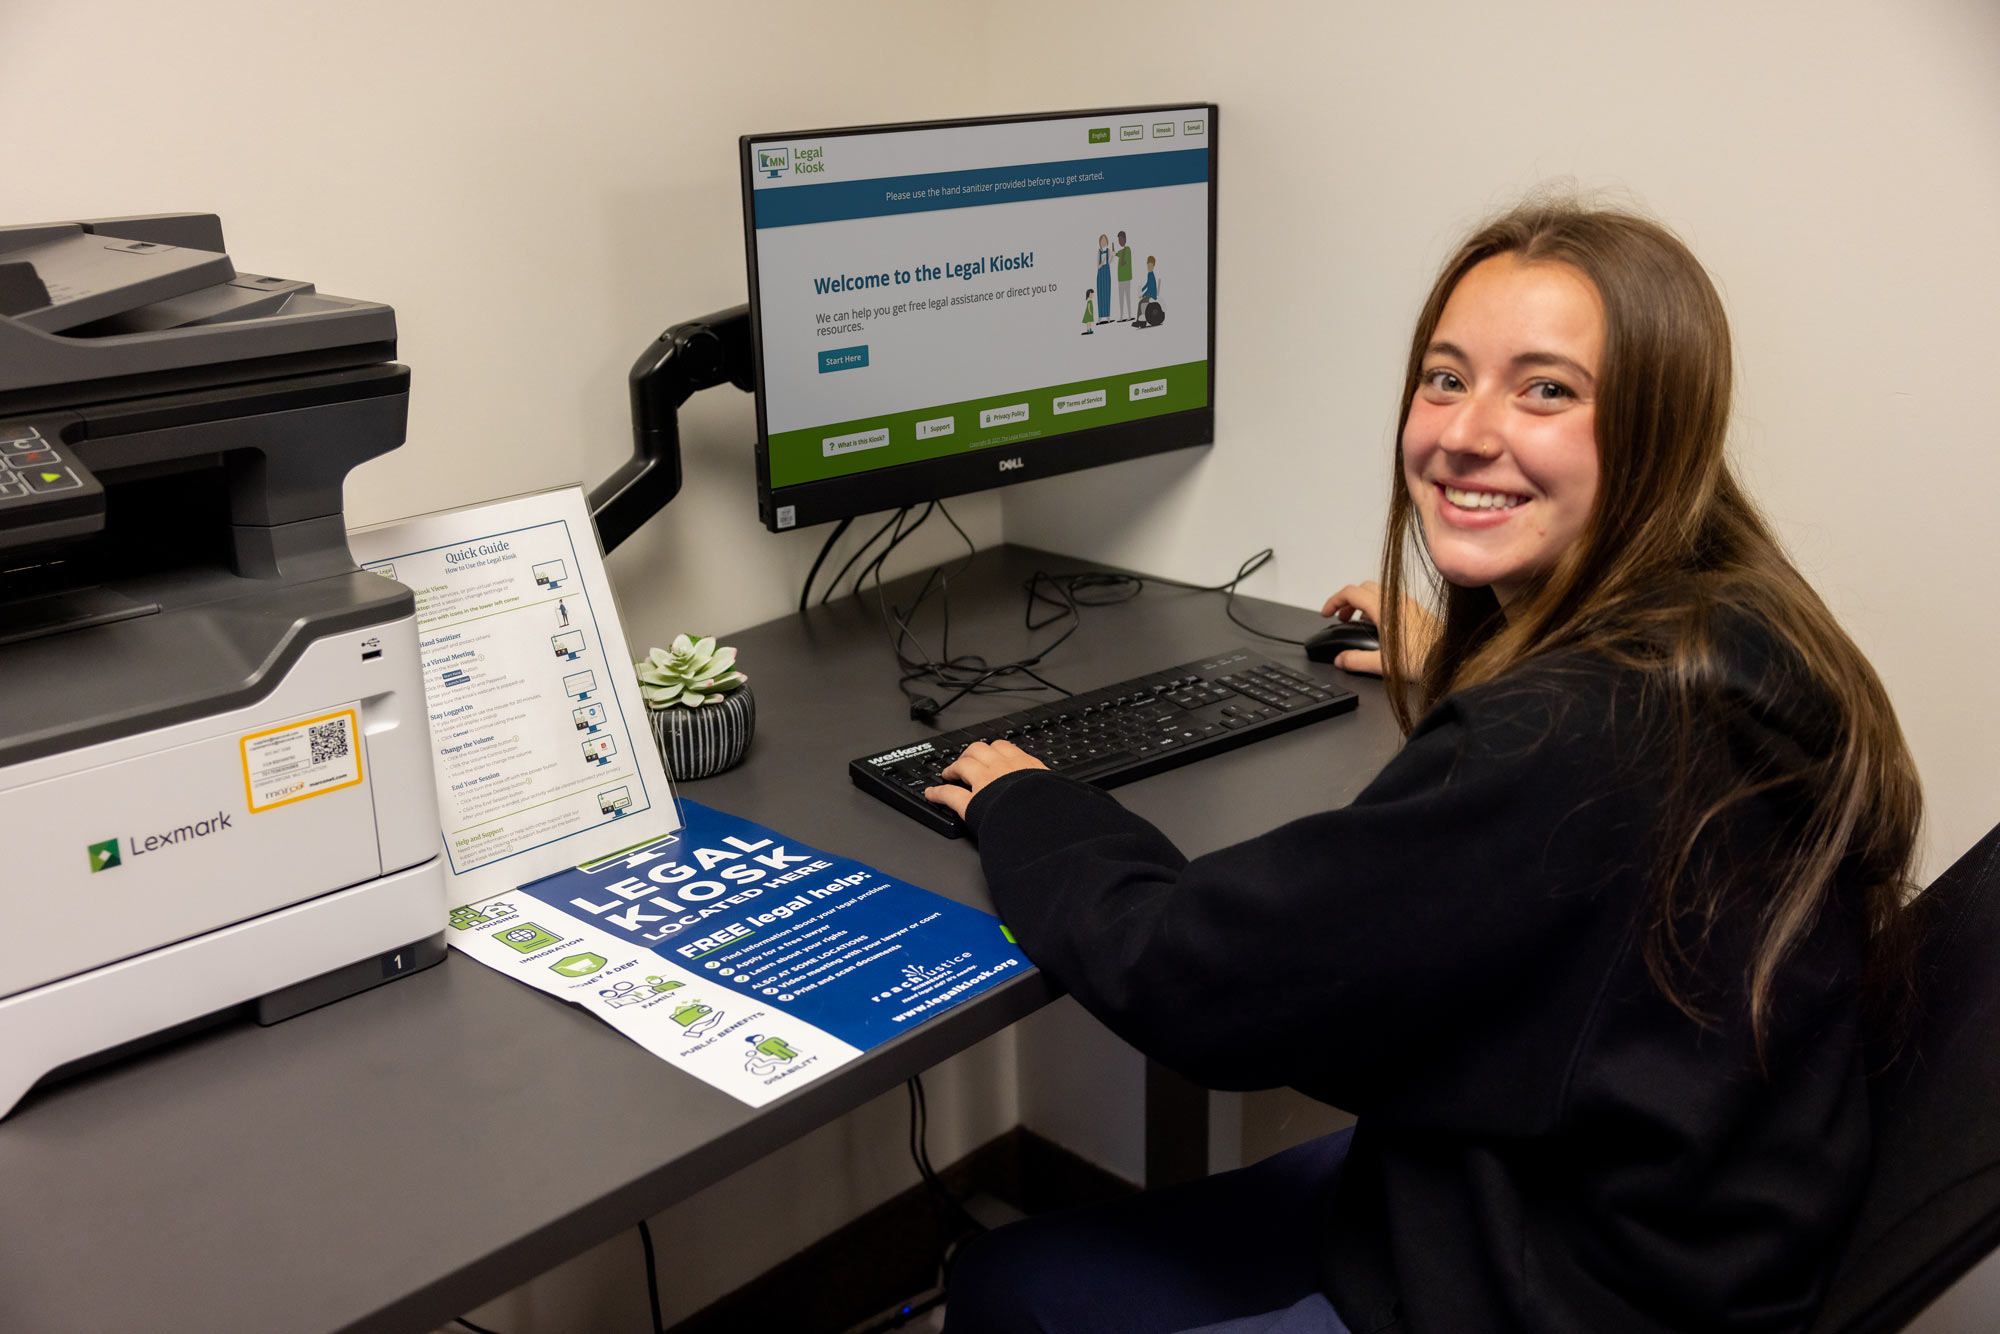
{"x": 1146, "y": 389}
{"x": 1092, "y": 398}
{"x": 835, "y": 445}
{"x": 843, "y": 359}
{"x": 1007, "y": 416}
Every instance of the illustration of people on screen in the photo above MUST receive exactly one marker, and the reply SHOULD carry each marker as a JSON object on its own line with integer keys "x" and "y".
{"x": 1149, "y": 299}
{"x": 1124, "y": 280}
{"x": 1089, "y": 311}
{"x": 1103, "y": 278}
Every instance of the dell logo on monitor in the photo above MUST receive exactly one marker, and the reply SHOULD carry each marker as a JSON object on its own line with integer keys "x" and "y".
{"x": 1008, "y": 465}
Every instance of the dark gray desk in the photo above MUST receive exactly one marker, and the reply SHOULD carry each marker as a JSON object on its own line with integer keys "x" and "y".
{"x": 391, "y": 1161}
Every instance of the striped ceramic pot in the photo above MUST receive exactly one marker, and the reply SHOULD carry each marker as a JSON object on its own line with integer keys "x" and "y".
{"x": 696, "y": 743}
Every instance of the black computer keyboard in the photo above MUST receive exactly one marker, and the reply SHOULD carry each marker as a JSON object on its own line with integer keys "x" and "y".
{"x": 1119, "y": 733}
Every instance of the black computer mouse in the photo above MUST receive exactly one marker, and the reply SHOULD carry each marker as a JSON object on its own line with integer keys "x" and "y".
{"x": 1341, "y": 636}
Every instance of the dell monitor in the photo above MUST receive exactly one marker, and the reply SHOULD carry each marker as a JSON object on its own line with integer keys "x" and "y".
{"x": 940, "y": 308}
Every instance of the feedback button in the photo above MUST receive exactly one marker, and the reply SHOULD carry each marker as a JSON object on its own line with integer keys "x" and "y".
{"x": 1146, "y": 389}
{"x": 843, "y": 359}
{"x": 834, "y": 445}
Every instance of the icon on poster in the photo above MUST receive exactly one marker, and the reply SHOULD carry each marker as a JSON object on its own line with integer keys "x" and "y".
{"x": 588, "y": 718}
{"x": 767, "y": 1054}
{"x": 467, "y": 916}
{"x": 599, "y": 749}
{"x": 578, "y": 965}
{"x": 631, "y": 993}
{"x": 578, "y": 685}
{"x": 567, "y": 645}
{"x": 614, "y": 801}
{"x": 527, "y": 938}
{"x": 551, "y": 574}
{"x": 695, "y": 1017}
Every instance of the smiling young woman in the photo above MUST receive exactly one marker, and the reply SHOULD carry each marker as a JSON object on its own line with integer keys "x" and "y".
{"x": 1595, "y": 959}
{"x": 1499, "y": 445}
{"x": 1658, "y": 568}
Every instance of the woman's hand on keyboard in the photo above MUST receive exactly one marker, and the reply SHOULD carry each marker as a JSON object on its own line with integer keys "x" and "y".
{"x": 977, "y": 765}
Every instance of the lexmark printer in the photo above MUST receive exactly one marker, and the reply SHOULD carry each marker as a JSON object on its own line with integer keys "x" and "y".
{"x": 214, "y": 762}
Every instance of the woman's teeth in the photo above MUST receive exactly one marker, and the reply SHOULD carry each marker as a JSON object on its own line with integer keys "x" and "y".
{"x": 1481, "y": 500}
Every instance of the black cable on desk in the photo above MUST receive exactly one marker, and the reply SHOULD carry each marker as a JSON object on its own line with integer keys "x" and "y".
{"x": 1129, "y": 586}
{"x": 962, "y": 673}
{"x": 476, "y": 1329}
{"x": 652, "y": 1277}
{"x": 943, "y": 1202}
{"x": 805, "y": 593}
{"x": 875, "y": 537}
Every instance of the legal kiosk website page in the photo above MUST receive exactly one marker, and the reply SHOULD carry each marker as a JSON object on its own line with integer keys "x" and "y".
{"x": 1001, "y": 283}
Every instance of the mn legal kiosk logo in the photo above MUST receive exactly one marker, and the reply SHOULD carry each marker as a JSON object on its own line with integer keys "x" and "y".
{"x": 774, "y": 162}
{"x": 104, "y": 856}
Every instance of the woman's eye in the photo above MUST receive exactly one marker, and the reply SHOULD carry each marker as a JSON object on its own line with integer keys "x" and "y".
{"x": 1548, "y": 391}
{"x": 1443, "y": 381}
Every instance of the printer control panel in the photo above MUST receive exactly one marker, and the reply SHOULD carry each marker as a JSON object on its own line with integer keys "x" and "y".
{"x": 46, "y": 494}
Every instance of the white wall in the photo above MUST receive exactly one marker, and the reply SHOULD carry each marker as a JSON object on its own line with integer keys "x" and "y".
{"x": 1835, "y": 164}
{"x": 539, "y": 190}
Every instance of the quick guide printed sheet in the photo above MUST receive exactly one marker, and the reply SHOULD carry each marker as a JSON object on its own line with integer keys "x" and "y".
{"x": 538, "y": 733}
{"x": 746, "y": 958}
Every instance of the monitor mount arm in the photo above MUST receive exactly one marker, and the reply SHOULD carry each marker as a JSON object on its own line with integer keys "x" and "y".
{"x": 688, "y": 357}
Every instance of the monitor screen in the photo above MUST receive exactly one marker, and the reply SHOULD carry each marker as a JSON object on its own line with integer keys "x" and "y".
{"x": 946, "y": 307}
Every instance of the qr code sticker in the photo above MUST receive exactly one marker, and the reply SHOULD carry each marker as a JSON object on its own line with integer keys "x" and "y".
{"x": 329, "y": 740}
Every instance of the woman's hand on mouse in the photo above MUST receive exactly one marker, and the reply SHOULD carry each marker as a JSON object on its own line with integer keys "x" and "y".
{"x": 1365, "y": 598}
{"x": 977, "y": 765}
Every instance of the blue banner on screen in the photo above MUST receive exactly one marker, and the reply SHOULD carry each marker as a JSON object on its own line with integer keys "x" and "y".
{"x": 811, "y": 934}
{"x": 838, "y": 201}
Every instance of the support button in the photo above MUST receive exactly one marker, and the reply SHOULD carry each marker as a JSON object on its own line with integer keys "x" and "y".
{"x": 51, "y": 479}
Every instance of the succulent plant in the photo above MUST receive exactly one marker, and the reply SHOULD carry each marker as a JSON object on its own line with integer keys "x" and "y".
{"x": 693, "y": 672}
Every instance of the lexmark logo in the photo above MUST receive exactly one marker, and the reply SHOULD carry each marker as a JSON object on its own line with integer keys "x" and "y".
{"x": 1009, "y": 465}
{"x": 104, "y": 856}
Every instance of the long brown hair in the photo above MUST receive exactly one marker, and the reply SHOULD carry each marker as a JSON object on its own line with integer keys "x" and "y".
{"x": 1672, "y": 546}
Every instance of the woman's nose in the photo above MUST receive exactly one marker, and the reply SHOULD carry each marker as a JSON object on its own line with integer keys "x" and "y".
{"x": 1473, "y": 427}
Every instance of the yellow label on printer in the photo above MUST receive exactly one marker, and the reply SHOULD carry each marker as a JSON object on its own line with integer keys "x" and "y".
{"x": 285, "y": 764}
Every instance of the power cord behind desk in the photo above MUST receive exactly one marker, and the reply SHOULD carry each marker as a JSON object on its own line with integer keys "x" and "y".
{"x": 1057, "y": 597}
